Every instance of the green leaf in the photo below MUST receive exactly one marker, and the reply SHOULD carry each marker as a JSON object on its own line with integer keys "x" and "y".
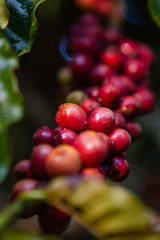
{"x": 22, "y": 27}
{"x": 109, "y": 211}
{"x": 154, "y": 9}
{"x": 11, "y": 107}
{"x": 23, "y": 235}
{"x": 4, "y": 14}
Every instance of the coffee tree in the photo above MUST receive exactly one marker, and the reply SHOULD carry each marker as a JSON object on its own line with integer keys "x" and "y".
{"x": 104, "y": 91}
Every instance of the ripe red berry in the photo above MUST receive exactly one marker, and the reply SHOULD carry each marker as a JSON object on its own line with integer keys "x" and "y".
{"x": 108, "y": 142}
{"x": 43, "y": 135}
{"x": 88, "y": 19}
{"x": 101, "y": 120}
{"x": 93, "y": 31}
{"x": 128, "y": 47}
{"x": 23, "y": 169}
{"x": 89, "y": 105}
{"x": 134, "y": 129}
{"x": 109, "y": 95}
{"x": 81, "y": 64}
{"x": 53, "y": 220}
{"x": 130, "y": 106}
{"x": 136, "y": 69}
{"x": 91, "y": 147}
{"x": 71, "y": 116}
{"x": 146, "y": 98}
{"x": 119, "y": 120}
{"x": 129, "y": 84}
{"x": 38, "y": 159}
{"x": 112, "y": 57}
{"x": 22, "y": 186}
{"x": 117, "y": 81}
{"x": 99, "y": 73}
{"x": 63, "y": 159}
{"x": 122, "y": 140}
{"x": 145, "y": 53}
{"x": 66, "y": 136}
{"x": 84, "y": 44}
{"x": 99, "y": 172}
{"x": 112, "y": 35}
{"x": 103, "y": 7}
{"x": 93, "y": 92}
{"x": 118, "y": 168}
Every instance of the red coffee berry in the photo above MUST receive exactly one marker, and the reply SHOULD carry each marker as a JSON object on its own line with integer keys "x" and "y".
{"x": 130, "y": 106}
{"x": 53, "y": 220}
{"x": 71, "y": 116}
{"x": 122, "y": 140}
{"x": 94, "y": 31}
{"x": 112, "y": 35}
{"x": 93, "y": 92}
{"x": 85, "y": 45}
{"x": 38, "y": 159}
{"x": 103, "y": 7}
{"x": 101, "y": 120}
{"x": 62, "y": 160}
{"x": 99, "y": 73}
{"x": 43, "y": 135}
{"x": 23, "y": 169}
{"x": 145, "y": 53}
{"x": 88, "y": 19}
{"x": 25, "y": 185}
{"x": 99, "y": 172}
{"x": 81, "y": 64}
{"x": 108, "y": 142}
{"x": 118, "y": 168}
{"x": 91, "y": 147}
{"x": 134, "y": 129}
{"x": 66, "y": 136}
{"x": 128, "y": 47}
{"x": 136, "y": 69}
{"x": 112, "y": 57}
{"x": 129, "y": 84}
{"x": 109, "y": 95}
{"x": 117, "y": 81}
{"x": 89, "y": 105}
{"x": 146, "y": 98}
{"x": 119, "y": 120}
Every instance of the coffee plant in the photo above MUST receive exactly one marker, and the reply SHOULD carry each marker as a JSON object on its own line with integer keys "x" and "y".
{"x": 104, "y": 90}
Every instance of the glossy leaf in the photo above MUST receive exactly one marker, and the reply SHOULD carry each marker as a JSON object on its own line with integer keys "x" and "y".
{"x": 154, "y": 8}
{"x": 111, "y": 212}
{"x": 22, "y": 26}
{"x": 11, "y": 107}
{"x": 4, "y": 14}
{"x": 23, "y": 235}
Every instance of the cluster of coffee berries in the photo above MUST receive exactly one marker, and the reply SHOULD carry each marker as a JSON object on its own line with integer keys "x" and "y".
{"x": 112, "y": 73}
{"x": 91, "y": 138}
